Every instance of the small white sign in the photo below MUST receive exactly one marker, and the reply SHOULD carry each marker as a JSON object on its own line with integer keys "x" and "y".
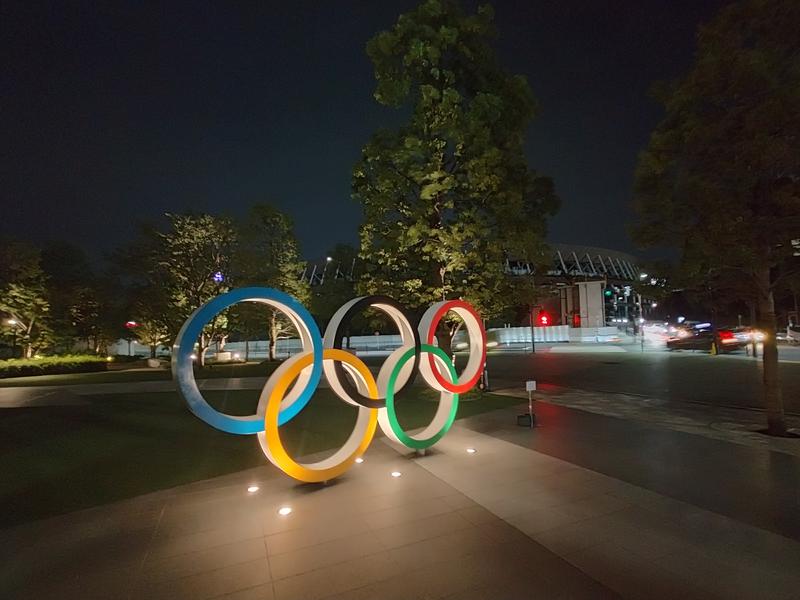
{"x": 530, "y": 386}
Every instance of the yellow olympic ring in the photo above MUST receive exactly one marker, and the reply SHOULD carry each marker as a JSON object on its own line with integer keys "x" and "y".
{"x": 356, "y": 444}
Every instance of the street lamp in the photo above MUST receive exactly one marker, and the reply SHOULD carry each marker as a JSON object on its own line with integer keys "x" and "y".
{"x": 325, "y": 269}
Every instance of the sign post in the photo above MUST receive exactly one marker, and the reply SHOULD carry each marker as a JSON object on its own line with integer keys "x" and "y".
{"x": 528, "y": 419}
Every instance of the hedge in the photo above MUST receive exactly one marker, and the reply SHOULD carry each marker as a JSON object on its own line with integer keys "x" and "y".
{"x": 51, "y": 365}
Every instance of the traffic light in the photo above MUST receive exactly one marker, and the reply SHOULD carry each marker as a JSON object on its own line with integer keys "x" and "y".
{"x": 543, "y": 319}
{"x": 608, "y": 292}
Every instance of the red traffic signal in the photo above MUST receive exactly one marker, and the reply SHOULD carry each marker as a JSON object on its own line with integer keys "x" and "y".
{"x": 543, "y": 319}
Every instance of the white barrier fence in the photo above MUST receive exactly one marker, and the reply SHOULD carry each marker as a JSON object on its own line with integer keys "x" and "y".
{"x": 507, "y": 337}
{"x": 522, "y": 335}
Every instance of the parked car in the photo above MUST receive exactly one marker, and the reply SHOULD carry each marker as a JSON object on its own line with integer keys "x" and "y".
{"x": 702, "y": 336}
{"x": 748, "y": 334}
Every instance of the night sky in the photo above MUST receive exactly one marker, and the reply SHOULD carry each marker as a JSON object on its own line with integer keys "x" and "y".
{"x": 113, "y": 113}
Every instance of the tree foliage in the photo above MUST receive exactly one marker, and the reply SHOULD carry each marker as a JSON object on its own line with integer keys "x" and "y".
{"x": 720, "y": 178}
{"x": 448, "y": 196}
{"x": 267, "y": 255}
{"x": 24, "y": 301}
{"x": 175, "y": 271}
{"x": 86, "y": 306}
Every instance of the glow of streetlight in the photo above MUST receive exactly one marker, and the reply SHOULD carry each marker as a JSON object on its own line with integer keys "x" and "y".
{"x": 12, "y": 321}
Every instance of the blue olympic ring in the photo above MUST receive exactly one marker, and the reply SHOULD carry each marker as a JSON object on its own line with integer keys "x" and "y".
{"x": 182, "y": 367}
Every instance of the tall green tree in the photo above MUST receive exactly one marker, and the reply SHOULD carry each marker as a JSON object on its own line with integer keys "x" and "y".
{"x": 720, "y": 178}
{"x": 448, "y": 196}
{"x": 69, "y": 282}
{"x": 267, "y": 255}
{"x": 24, "y": 301}
{"x": 86, "y": 306}
{"x": 193, "y": 260}
{"x": 173, "y": 272}
{"x": 151, "y": 332}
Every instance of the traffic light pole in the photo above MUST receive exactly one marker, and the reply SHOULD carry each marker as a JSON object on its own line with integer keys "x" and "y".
{"x": 533, "y": 336}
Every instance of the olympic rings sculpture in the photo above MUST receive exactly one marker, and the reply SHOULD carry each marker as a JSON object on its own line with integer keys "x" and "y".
{"x": 291, "y": 386}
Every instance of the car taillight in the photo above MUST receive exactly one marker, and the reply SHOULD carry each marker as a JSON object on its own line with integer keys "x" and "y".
{"x": 727, "y": 337}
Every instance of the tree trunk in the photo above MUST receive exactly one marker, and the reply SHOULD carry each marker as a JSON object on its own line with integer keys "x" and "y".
{"x": 773, "y": 398}
{"x": 201, "y": 351}
{"x": 247, "y": 350}
{"x": 273, "y": 335}
{"x": 444, "y": 337}
{"x": 28, "y": 350}
{"x": 753, "y": 323}
{"x": 153, "y": 348}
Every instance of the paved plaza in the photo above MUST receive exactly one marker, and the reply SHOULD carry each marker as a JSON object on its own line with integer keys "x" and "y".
{"x": 521, "y": 517}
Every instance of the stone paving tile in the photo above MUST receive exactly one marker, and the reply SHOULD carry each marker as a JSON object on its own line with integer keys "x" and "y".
{"x": 540, "y": 519}
{"x": 259, "y": 592}
{"x": 422, "y": 529}
{"x": 80, "y": 581}
{"x": 221, "y": 514}
{"x": 739, "y": 426}
{"x": 731, "y": 578}
{"x": 443, "y": 548}
{"x": 325, "y": 554}
{"x": 593, "y": 506}
{"x": 476, "y": 514}
{"x": 619, "y": 569}
{"x": 335, "y": 579}
{"x": 317, "y": 533}
{"x": 194, "y": 542}
{"x": 633, "y": 540}
{"x": 459, "y": 501}
{"x": 209, "y": 584}
{"x": 174, "y": 567}
{"x": 408, "y": 512}
{"x": 574, "y": 537}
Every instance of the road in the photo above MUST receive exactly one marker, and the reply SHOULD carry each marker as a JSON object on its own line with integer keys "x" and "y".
{"x": 726, "y": 380}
